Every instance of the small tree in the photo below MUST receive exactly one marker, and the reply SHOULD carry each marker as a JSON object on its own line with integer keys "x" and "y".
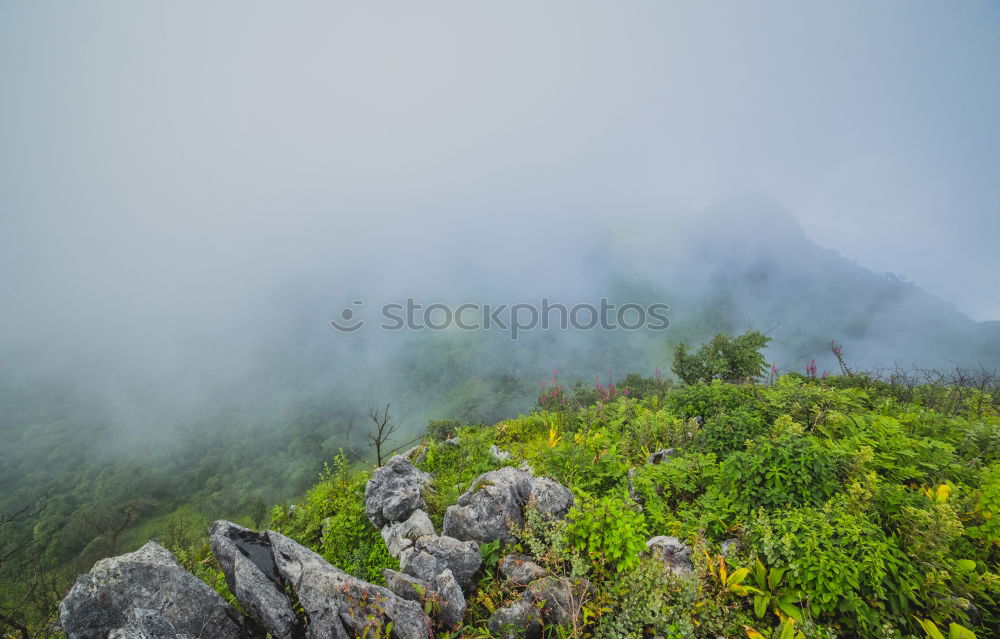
{"x": 382, "y": 430}
{"x": 731, "y": 359}
{"x": 258, "y": 511}
{"x": 442, "y": 429}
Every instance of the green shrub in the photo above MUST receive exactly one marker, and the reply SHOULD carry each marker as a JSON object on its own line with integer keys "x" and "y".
{"x": 647, "y": 601}
{"x": 849, "y": 571}
{"x": 332, "y": 520}
{"x": 727, "y": 432}
{"x": 731, "y": 359}
{"x": 790, "y": 470}
{"x": 442, "y": 429}
{"x": 668, "y": 490}
{"x": 610, "y": 533}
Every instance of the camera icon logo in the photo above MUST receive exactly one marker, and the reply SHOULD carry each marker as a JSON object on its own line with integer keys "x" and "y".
{"x": 349, "y": 324}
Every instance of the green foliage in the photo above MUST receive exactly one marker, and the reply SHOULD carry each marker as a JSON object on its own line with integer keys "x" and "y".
{"x": 331, "y": 519}
{"x": 987, "y": 508}
{"x": 638, "y": 387}
{"x": 611, "y": 533}
{"x": 730, "y": 359}
{"x": 862, "y": 508}
{"x": 773, "y": 594}
{"x": 442, "y": 429}
{"x": 647, "y": 599}
{"x": 790, "y": 470}
{"x": 845, "y": 565}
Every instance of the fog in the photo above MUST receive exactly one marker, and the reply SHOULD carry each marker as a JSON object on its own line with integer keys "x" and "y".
{"x": 190, "y": 192}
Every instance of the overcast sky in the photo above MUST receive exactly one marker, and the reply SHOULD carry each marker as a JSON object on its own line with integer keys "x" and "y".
{"x": 164, "y": 153}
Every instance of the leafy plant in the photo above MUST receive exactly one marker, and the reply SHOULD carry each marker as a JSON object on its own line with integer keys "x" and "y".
{"x": 731, "y": 359}
{"x": 955, "y": 631}
{"x": 773, "y": 594}
{"x": 728, "y": 582}
{"x": 609, "y": 532}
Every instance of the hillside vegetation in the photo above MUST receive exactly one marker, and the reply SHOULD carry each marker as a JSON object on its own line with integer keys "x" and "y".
{"x": 858, "y": 507}
{"x": 814, "y": 505}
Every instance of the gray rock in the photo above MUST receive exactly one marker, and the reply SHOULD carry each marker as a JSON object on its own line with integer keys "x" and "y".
{"x": 401, "y": 535}
{"x": 451, "y": 442}
{"x": 141, "y": 623}
{"x": 451, "y": 601}
{"x": 416, "y": 455}
{"x": 499, "y": 454}
{"x": 337, "y": 605}
{"x": 729, "y": 545}
{"x": 432, "y": 555}
{"x": 393, "y": 492}
{"x": 521, "y": 569}
{"x": 520, "y": 620}
{"x": 146, "y": 592}
{"x": 493, "y": 507}
{"x": 550, "y": 498}
{"x": 406, "y": 586}
{"x": 443, "y": 590}
{"x": 559, "y": 598}
{"x": 246, "y": 561}
{"x": 662, "y": 455}
{"x": 675, "y": 554}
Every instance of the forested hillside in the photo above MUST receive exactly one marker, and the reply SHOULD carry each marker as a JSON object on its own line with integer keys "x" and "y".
{"x": 855, "y": 504}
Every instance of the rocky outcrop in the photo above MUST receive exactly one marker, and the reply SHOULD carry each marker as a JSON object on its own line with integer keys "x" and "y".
{"x": 448, "y": 601}
{"x": 550, "y": 600}
{"x": 394, "y": 492}
{"x": 146, "y": 593}
{"x": 337, "y": 605}
{"x": 493, "y": 507}
{"x": 520, "y": 620}
{"x": 432, "y": 555}
{"x": 289, "y": 592}
{"x": 400, "y": 535}
{"x": 248, "y": 565}
{"x": 674, "y": 554}
{"x": 521, "y": 569}
{"x": 433, "y": 568}
{"x": 560, "y": 599}
{"x": 261, "y": 567}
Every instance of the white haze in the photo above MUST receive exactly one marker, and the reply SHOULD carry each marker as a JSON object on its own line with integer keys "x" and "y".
{"x": 185, "y": 184}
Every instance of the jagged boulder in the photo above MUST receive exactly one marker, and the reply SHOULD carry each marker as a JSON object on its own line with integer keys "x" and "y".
{"x": 520, "y": 620}
{"x": 246, "y": 561}
{"x": 400, "y": 535}
{"x": 142, "y": 623}
{"x": 416, "y": 455}
{"x": 549, "y": 497}
{"x": 394, "y": 492}
{"x": 498, "y": 453}
{"x": 521, "y": 569}
{"x": 675, "y": 554}
{"x": 550, "y": 600}
{"x": 559, "y": 598}
{"x": 662, "y": 455}
{"x": 146, "y": 593}
{"x": 494, "y": 505}
{"x": 443, "y": 590}
{"x": 337, "y": 605}
{"x": 431, "y": 555}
